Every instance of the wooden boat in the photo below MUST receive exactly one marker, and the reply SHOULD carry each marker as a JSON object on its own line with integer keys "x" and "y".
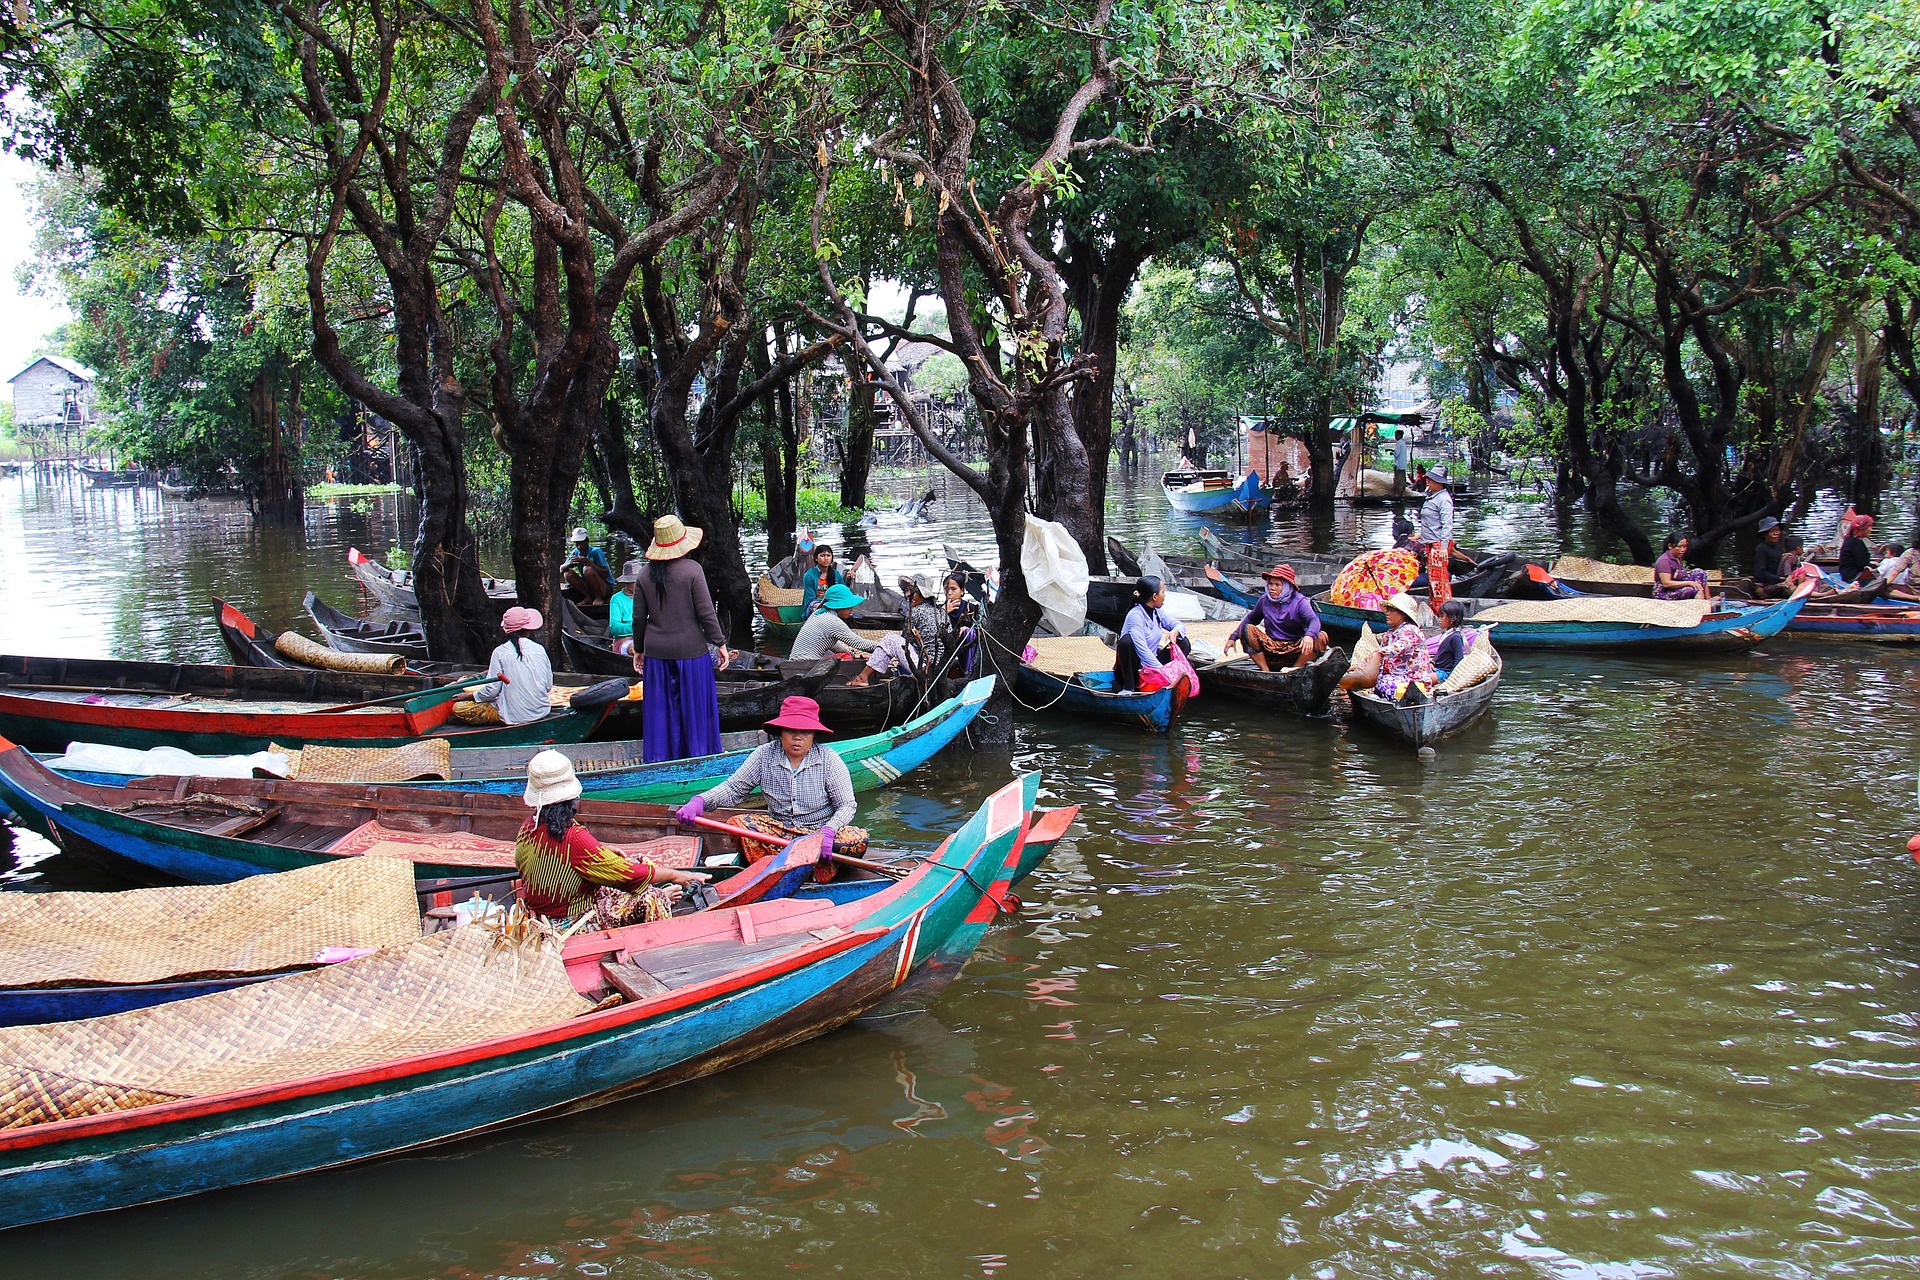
{"x": 1443, "y": 716}
{"x": 1872, "y": 624}
{"x": 1090, "y": 691}
{"x": 883, "y": 701}
{"x": 45, "y": 703}
{"x": 618, "y": 771}
{"x": 114, "y": 477}
{"x": 1579, "y": 624}
{"x": 1215, "y": 493}
{"x": 613, "y": 1015}
{"x": 884, "y": 610}
{"x": 360, "y": 635}
{"x": 393, "y": 588}
{"x": 1301, "y": 691}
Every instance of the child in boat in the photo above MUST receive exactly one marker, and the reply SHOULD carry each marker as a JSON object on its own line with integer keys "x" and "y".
{"x": 1450, "y": 646}
{"x": 561, "y": 865}
{"x": 805, "y": 782}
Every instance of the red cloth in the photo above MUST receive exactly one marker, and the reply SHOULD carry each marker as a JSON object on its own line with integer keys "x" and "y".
{"x": 1439, "y": 581}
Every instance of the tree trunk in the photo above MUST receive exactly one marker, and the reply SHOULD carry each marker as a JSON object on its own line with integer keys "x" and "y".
{"x": 1099, "y": 290}
{"x": 856, "y": 455}
{"x": 278, "y": 502}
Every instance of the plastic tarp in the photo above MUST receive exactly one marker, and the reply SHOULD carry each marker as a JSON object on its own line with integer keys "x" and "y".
{"x": 1056, "y": 572}
{"x": 170, "y": 762}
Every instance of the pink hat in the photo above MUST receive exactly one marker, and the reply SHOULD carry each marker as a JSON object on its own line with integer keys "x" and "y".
{"x": 520, "y": 619}
{"x": 799, "y": 713}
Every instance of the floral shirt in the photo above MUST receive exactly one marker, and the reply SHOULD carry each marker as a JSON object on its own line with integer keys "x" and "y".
{"x": 558, "y": 879}
{"x": 1404, "y": 661}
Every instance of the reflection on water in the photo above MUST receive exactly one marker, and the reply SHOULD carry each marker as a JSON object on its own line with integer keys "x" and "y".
{"x": 1623, "y": 983}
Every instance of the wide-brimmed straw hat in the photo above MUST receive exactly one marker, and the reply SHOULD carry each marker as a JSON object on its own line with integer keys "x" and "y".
{"x": 521, "y": 618}
{"x": 840, "y": 596}
{"x": 1282, "y": 572}
{"x": 1406, "y": 604}
{"x": 672, "y": 539}
{"x": 797, "y": 712}
{"x": 629, "y": 572}
{"x": 550, "y": 779}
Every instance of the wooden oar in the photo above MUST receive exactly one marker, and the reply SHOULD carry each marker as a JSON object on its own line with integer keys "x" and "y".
{"x": 445, "y": 689}
{"x": 844, "y": 859}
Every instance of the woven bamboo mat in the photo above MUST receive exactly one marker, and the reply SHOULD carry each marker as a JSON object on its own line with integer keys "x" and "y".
{"x": 300, "y": 649}
{"x": 250, "y": 926}
{"x": 470, "y": 849}
{"x": 1633, "y": 610}
{"x": 777, "y": 596}
{"x": 1213, "y": 633}
{"x": 438, "y": 992}
{"x": 1068, "y": 656}
{"x": 427, "y": 758}
{"x": 1585, "y": 570}
{"x": 1481, "y": 661}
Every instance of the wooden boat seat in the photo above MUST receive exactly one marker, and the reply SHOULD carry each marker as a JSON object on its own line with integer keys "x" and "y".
{"x": 691, "y": 963}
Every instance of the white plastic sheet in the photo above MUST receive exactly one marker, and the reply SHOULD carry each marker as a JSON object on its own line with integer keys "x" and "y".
{"x": 170, "y": 762}
{"x": 1056, "y": 573}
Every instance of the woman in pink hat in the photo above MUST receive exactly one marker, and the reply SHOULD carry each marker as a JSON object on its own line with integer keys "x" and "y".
{"x": 525, "y": 673}
{"x": 806, "y": 783}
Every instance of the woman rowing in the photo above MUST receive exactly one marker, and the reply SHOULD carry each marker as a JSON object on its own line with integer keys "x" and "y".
{"x": 805, "y": 783}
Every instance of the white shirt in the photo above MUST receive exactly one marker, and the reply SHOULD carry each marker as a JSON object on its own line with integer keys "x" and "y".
{"x": 529, "y": 675}
{"x": 1436, "y": 517}
{"x": 1402, "y": 453}
{"x": 1896, "y": 569}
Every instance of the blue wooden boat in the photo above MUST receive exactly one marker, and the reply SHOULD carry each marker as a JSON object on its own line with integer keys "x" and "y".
{"x": 1091, "y": 693}
{"x": 1734, "y": 627}
{"x": 1873, "y": 624}
{"x": 615, "y": 771}
{"x": 679, "y": 999}
{"x": 1215, "y": 493}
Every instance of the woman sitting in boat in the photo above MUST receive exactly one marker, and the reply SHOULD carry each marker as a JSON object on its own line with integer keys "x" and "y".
{"x": 1856, "y": 554}
{"x": 620, "y": 608}
{"x": 821, "y": 578}
{"x": 826, "y": 633}
{"x": 962, "y": 616}
{"x": 562, "y": 867}
{"x": 1451, "y": 645}
{"x": 1401, "y": 669}
{"x": 524, "y": 670}
{"x": 1282, "y": 627}
{"x": 1672, "y": 580}
{"x": 919, "y": 642}
{"x": 805, "y": 783}
{"x": 1773, "y": 564}
{"x": 1152, "y": 652}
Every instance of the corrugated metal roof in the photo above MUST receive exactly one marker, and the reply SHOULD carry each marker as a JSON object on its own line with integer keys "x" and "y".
{"x": 75, "y": 368}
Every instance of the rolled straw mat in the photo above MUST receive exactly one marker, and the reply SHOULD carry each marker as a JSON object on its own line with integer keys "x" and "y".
{"x": 439, "y": 992}
{"x": 777, "y": 596}
{"x": 296, "y": 646}
{"x": 427, "y": 758}
{"x": 1481, "y": 661}
{"x": 251, "y": 926}
{"x": 1582, "y": 569}
{"x": 1068, "y": 656}
{"x": 1632, "y": 610}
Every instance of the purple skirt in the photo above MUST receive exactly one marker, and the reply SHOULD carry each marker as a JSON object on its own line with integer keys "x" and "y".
{"x": 679, "y": 709}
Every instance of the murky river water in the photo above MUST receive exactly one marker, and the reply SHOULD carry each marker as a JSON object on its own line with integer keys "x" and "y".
{"x": 1624, "y": 983}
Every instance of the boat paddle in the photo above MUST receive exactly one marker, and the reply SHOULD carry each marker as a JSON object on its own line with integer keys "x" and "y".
{"x": 447, "y": 689}
{"x": 779, "y": 845}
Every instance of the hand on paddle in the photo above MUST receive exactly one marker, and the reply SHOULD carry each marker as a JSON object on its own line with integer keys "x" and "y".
{"x": 692, "y": 809}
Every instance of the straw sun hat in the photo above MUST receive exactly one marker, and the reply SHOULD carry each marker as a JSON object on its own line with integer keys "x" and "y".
{"x": 672, "y": 539}
{"x": 1404, "y": 603}
{"x": 550, "y": 779}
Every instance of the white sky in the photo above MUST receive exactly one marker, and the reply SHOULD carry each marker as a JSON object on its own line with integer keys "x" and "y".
{"x": 25, "y": 320}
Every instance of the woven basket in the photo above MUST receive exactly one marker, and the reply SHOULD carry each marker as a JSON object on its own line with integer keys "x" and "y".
{"x": 1481, "y": 661}
{"x": 1069, "y": 656}
{"x": 1582, "y": 569}
{"x": 443, "y": 991}
{"x": 296, "y": 646}
{"x": 1366, "y": 646}
{"x": 778, "y": 597}
{"x": 1630, "y": 610}
{"x": 251, "y": 926}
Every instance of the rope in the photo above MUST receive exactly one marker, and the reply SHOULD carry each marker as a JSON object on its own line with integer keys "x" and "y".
{"x": 1011, "y": 688}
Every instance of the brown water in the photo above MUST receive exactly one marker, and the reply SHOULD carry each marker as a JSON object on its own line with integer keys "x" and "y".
{"x": 1624, "y": 983}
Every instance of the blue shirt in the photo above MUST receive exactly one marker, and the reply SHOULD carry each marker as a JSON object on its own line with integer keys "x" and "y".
{"x": 595, "y": 556}
{"x": 1144, "y": 629}
{"x": 811, "y": 589}
{"x": 1290, "y": 618}
{"x": 620, "y": 614}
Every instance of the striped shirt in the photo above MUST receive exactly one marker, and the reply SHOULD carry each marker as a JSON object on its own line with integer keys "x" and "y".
{"x": 822, "y": 631}
{"x": 819, "y": 793}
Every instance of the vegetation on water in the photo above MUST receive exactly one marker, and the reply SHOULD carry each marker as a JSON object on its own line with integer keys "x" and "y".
{"x": 612, "y": 261}
{"x": 331, "y": 490}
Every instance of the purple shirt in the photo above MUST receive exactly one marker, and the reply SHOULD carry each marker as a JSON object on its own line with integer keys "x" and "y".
{"x": 1288, "y": 619}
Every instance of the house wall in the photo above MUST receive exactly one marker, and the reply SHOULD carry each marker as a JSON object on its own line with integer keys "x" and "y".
{"x": 40, "y": 394}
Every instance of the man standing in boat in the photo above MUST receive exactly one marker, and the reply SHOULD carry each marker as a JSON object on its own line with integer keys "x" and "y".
{"x": 1435, "y": 530}
{"x": 1402, "y": 459}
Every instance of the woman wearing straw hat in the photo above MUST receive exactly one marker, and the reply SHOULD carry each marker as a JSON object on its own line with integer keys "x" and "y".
{"x": 1401, "y": 669}
{"x": 524, "y": 670}
{"x": 560, "y": 863}
{"x": 673, "y": 623}
{"x": 805, "y": 782}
